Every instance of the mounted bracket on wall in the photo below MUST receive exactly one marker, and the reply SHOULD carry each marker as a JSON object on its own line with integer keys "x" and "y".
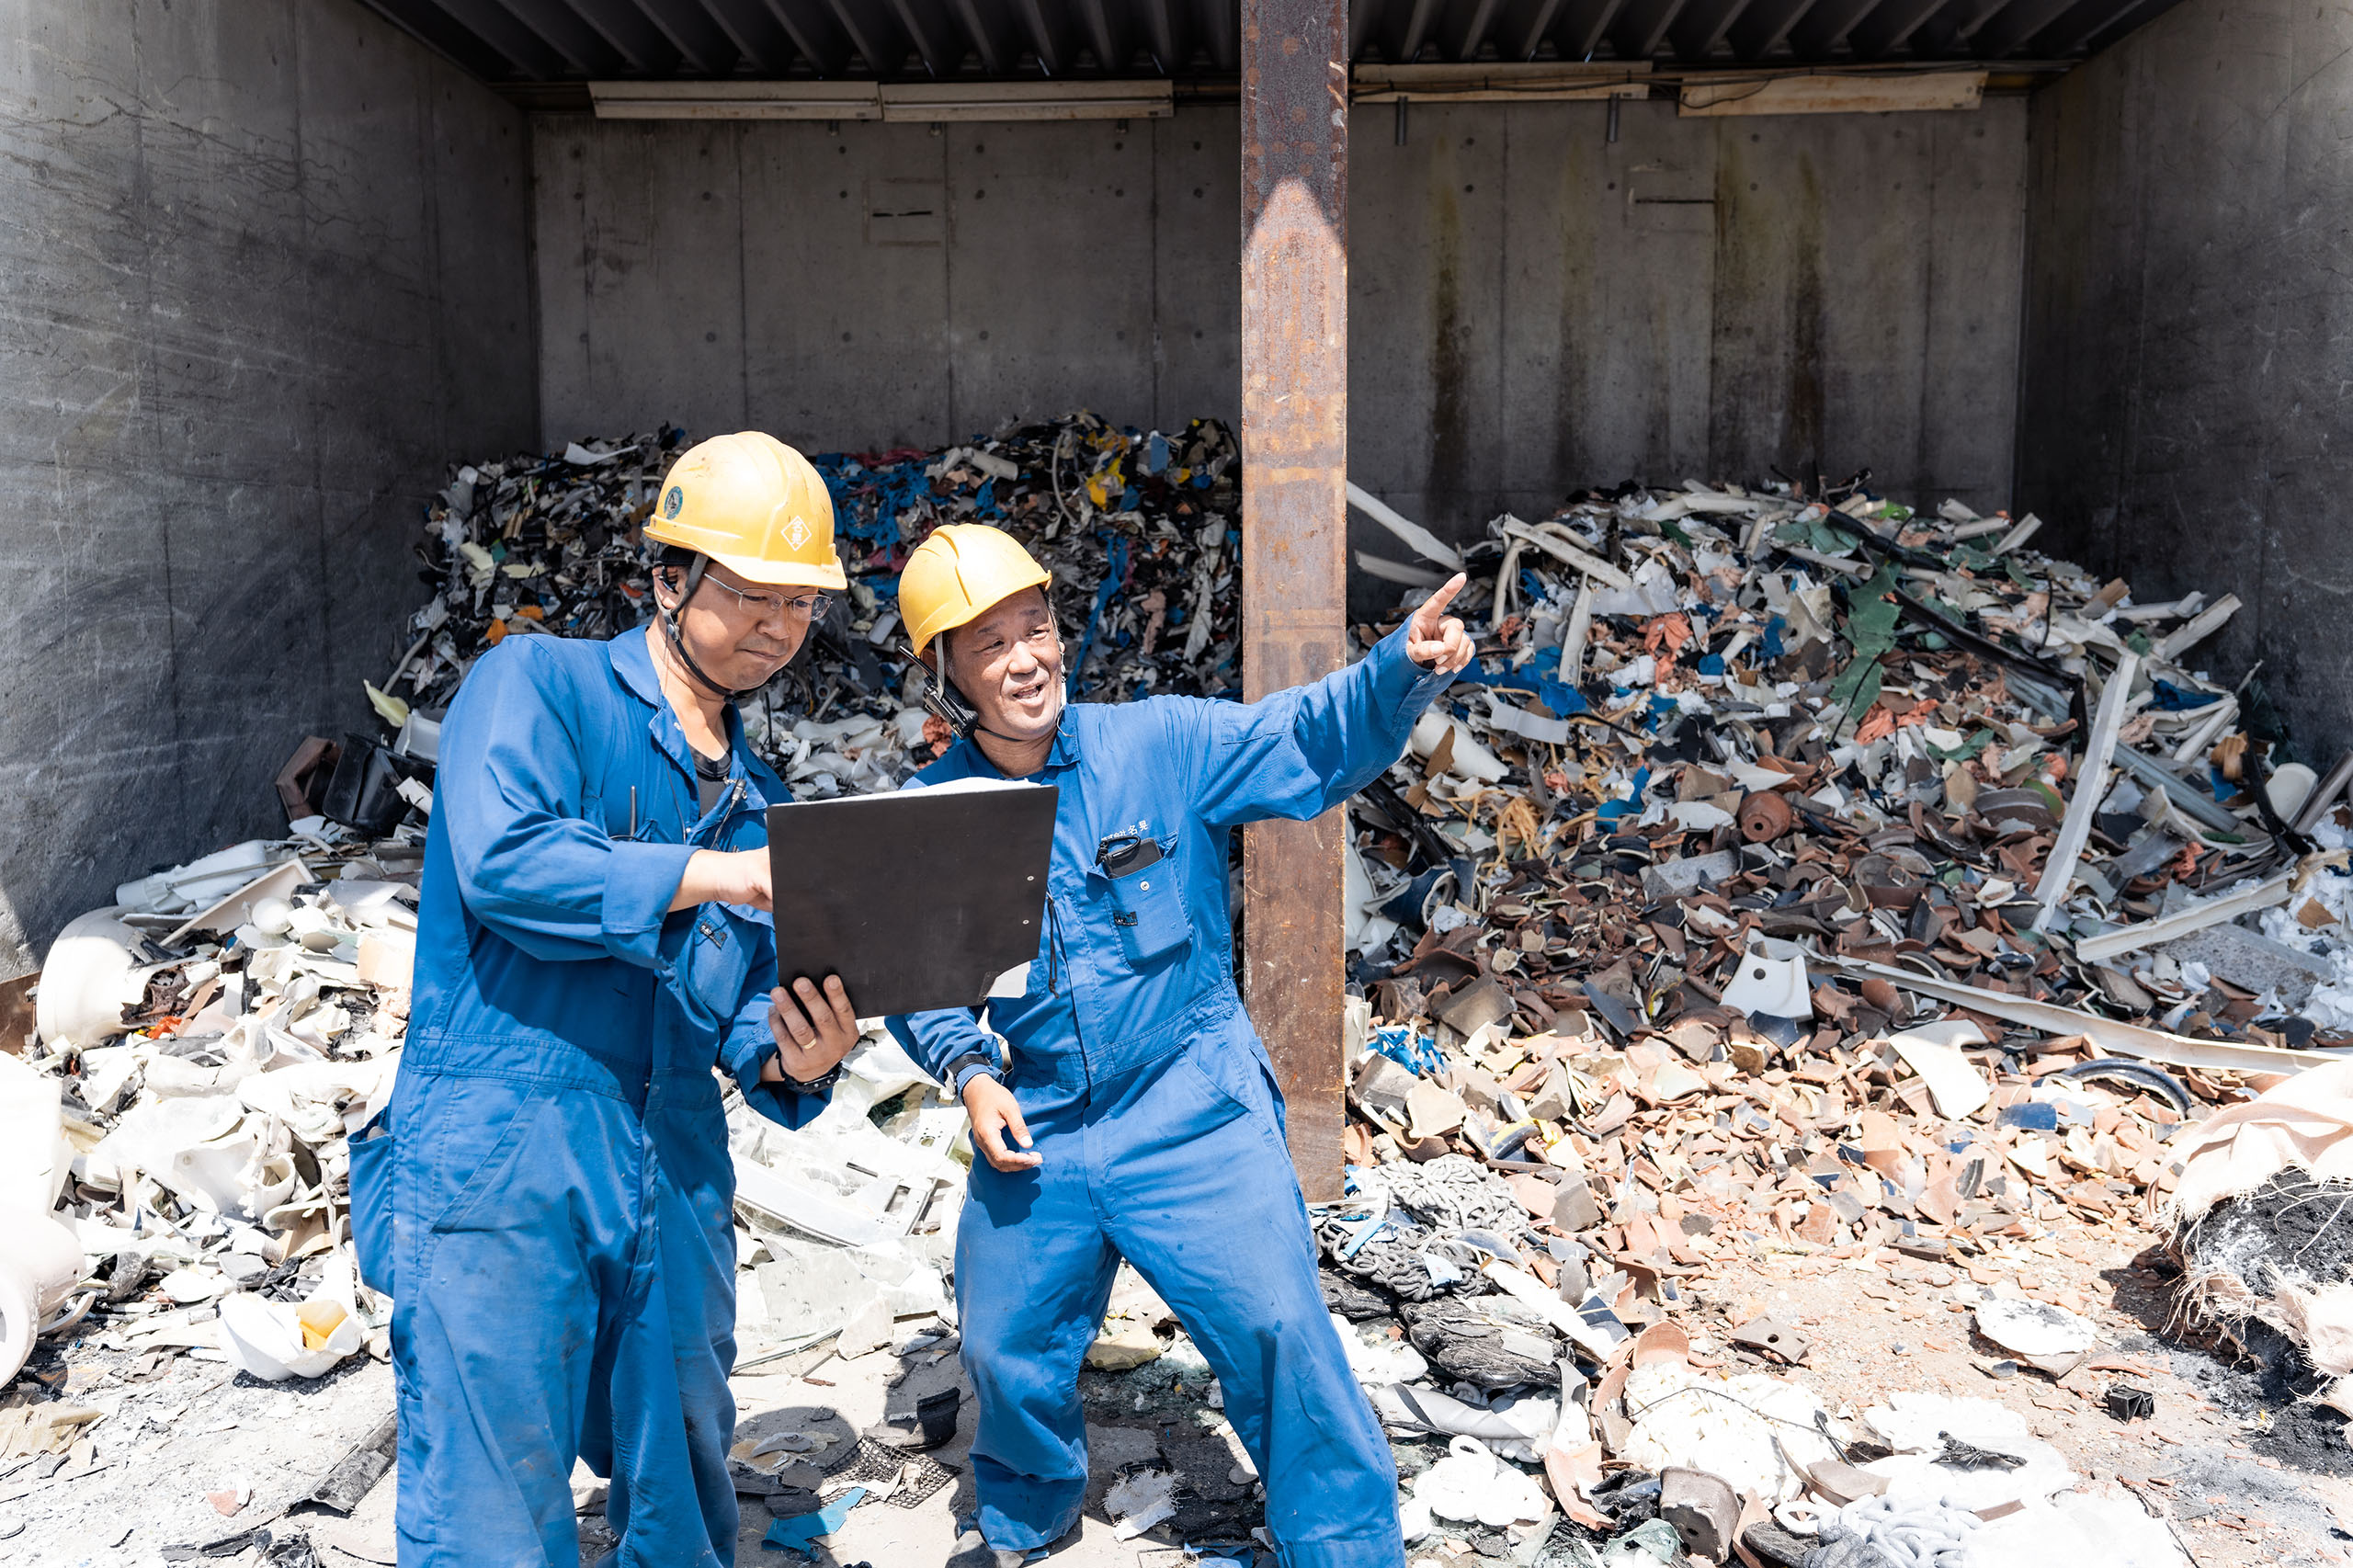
{"x": 931, "y": 103}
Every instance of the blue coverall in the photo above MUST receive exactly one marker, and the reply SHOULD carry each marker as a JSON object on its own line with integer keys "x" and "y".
{"x": 1155, "y": 1108}
{"x": 547, "y": 1197}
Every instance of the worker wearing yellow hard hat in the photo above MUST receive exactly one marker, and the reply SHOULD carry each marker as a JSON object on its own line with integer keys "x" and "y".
{"x": 1137, "y": 1114}
{"x": 757, "y": 511}
{"x": 548, "y": 1198}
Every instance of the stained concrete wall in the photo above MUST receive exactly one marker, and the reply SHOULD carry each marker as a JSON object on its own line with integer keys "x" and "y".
{"x": 2184, "y": 418}
{"x": 1531, "y": 308}
{"x": 263, "y": 267}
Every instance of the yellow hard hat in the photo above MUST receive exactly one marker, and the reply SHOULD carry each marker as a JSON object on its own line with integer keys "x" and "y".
{"x": 960, "y": 571}
{"x": 756, "y": 506}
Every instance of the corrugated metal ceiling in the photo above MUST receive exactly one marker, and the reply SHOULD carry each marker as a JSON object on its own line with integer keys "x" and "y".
{"x": 570, "y": 40}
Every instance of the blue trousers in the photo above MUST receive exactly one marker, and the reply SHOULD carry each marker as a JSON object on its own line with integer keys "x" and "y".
{"x": 557, "y": 1236}
{"x": 1178, "y": 1165}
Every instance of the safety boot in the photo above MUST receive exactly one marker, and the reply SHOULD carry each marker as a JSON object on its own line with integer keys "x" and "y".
{"x": 974, "y": 1552}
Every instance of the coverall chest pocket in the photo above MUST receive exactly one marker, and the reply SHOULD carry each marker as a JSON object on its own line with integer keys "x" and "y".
{"x": 1148, "y": 908}
{"x": 713, "y": 961}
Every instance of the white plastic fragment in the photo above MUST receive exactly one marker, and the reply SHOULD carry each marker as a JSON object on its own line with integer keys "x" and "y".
{"x": 2034, "y": 1328}
{"x": 1772, "y": 983}
{"x": 1419, "y": 539}
{"x": 1934, "y": 1051}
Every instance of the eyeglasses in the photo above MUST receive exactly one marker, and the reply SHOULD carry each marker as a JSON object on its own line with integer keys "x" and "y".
{"x": 801, "y": 607}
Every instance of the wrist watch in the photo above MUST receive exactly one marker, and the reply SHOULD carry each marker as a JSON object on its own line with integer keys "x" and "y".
{"x": 961, "y": 1071}
{"x": 816, "y": 1085}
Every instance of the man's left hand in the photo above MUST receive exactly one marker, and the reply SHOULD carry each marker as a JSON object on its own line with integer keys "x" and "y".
{"x": 814, "y": 1030}
{"x": 1434, "y": 639}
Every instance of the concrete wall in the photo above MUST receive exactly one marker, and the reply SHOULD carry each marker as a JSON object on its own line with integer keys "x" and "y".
{"x": 2183, "y": 417}
{"x": 263, "y": 270}
{"x": 1530, "y": 308}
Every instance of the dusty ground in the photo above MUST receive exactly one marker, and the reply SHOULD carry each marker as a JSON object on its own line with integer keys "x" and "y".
{"x": 2245, "y": 1484}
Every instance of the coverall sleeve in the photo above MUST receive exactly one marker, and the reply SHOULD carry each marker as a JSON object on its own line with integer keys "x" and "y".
{"x": 529, "y": 865}
{"x": 935, "y": 1040}
{"x": 750, "y": 1044}
{"x": 1298, "y": 753}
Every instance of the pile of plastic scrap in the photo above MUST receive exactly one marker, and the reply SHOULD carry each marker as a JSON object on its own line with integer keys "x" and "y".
{"x": 177, "y": 1123}
{"x": 205, "y": 1044}
{"x": 1138, "y": 528}
{"x": 1792, "y": 875}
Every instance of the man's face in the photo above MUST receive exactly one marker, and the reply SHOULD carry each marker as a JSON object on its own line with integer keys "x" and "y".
{"x": 740, "y": 632}
{"x": 1008, "y": 664}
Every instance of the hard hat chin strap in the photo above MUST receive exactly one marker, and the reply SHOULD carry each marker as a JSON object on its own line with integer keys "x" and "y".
{"x": 678, "y": 643}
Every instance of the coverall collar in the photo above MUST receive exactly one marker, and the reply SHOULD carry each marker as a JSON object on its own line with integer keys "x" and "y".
{"x": 1063, "y": 754}
{"x": 634, "y": 664}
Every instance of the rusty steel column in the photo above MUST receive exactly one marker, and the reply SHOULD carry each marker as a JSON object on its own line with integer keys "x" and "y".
{"x": 1294, "y": 528}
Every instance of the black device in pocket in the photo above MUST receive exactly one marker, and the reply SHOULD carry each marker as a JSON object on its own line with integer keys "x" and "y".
{"x": 1147, "y": 904}
{"x": 1124, "y": 854}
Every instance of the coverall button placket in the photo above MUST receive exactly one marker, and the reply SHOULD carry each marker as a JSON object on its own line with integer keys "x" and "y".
{"x": 1159, "y": 1129}
{"x": 542, "y": 981}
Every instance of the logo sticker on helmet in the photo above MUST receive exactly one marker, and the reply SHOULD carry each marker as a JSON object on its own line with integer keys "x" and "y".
{"x": 673, "y": 501}
{"x": 796, "y": 532}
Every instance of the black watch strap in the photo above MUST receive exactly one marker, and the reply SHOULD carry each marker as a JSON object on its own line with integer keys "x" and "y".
{"x": 955, "y": 1069}
{"x": 816, "y": 1085}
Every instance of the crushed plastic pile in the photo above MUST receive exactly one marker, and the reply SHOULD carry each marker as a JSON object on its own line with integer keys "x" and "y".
{"x": 1791, "y": 877}
{"x": 205, "y": 1045}
{"x": 1788, "y": 878}
{"x": 1138, "y": 528}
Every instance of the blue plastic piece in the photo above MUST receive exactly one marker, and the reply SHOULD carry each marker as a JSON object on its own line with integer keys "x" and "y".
{"x": 800, "y": 1532}
{"x": 2035, "y": 1116}
{"x": 1410, "y": 1049}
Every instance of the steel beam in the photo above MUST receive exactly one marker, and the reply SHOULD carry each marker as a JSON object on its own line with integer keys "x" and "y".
{"x": 434, "y": 26}
{"x": 2013, "y": 25}
{"x": 698, "y": 35}
{"x": 1220, "y": 30}
{"x": 874, "y": 33}
{"x": 1763, "y": 25}
{"x": 560, "y": 26}
{"x": 1108, "y": 26}
{"x": 1169, "y": 33}
{"x": 1703, "y": 25}
{"x": 815, "y": 34}
{"x": 1294, "y": 530}
{"x": 1409, "y": 28}
{"x": 1642, "y": 26}
{"x": 990, "y": 34}
{"x": 1578, "y": 31}
{"x": 1893, "y": 24}
{"x": 1464, "y": 28}
{"x": 753, "y": 32}
{"x": 1049, "y": 29}
{"x": 625, "y": 26}
{"x": 1824, "y": 26}
{"x": 936, "y": 36}
{"x": 1525, "y": 23}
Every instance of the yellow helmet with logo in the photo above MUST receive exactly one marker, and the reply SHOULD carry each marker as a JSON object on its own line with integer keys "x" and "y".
{"x": 756, "y": 506}
{"x": 960, "y": 571}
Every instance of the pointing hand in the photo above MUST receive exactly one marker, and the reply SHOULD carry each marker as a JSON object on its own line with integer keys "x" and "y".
{"x": 1436, "y": 640}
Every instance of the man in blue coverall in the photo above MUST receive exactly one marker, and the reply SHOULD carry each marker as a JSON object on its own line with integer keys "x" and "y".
{"x": 548, "y": 1196}
{"x": 1138, "y": 1116}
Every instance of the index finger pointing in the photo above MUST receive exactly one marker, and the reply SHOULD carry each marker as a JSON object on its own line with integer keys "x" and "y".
{"x": 1434, "y": 606}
